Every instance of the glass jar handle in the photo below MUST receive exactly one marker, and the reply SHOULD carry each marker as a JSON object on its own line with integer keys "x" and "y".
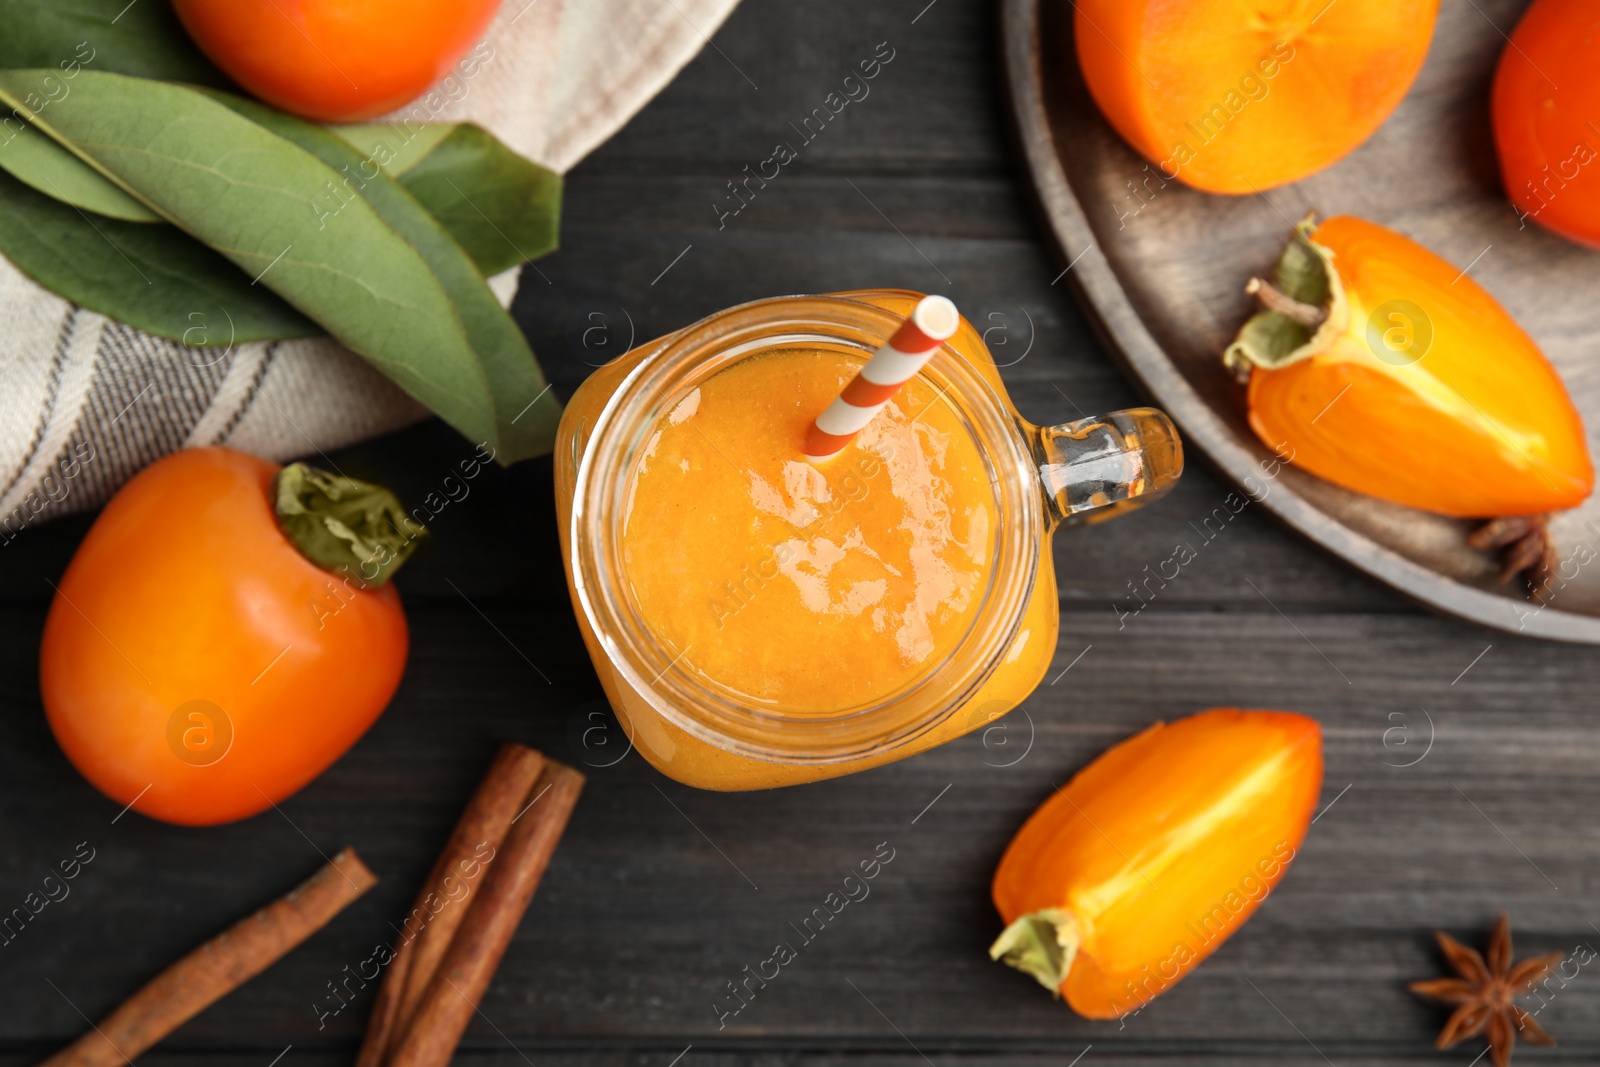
{"x": 1098, "y": 468}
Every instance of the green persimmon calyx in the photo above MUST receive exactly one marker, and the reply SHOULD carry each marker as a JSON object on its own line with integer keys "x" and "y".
{"x": 1303, "y": 308}
{"x": 1042, "y": 943}
{"x": 343, "y": 525}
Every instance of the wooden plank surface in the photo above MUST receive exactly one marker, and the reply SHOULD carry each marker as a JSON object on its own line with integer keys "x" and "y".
{"x": 660, "y": 895}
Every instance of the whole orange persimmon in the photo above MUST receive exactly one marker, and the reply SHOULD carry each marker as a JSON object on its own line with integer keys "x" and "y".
{"x": 1546, "y": 104}
{"x": 336, "y": 60}
{"x": 1237, "y": 96}
{"x": 196, "y": 664}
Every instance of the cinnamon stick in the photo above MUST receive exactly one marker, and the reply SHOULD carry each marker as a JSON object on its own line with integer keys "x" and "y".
{"x": 219, "y": 966}
{"x": 432, "y": 1033}
{"x": 443, "y": 900}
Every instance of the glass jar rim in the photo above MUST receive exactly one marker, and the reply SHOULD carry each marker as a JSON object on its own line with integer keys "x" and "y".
{"x": 693, "y": 704}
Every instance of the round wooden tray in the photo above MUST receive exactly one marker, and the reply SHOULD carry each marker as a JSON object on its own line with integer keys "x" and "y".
{"x": 1161, "y": 268}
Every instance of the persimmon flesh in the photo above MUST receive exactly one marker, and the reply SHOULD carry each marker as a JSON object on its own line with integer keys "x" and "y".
{"x": 1237, "y": 96}
{"x": 336, "y": 60}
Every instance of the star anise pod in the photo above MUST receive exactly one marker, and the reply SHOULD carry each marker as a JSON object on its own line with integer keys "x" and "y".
{"x": 1527, "y": 549}
{"x": 1486, "y": 992}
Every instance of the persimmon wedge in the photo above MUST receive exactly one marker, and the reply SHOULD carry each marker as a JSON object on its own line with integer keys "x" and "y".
{"x": 1415, "y": 385}
{"x": 1237, "y": 96}
{"x": 1155, "y": 853}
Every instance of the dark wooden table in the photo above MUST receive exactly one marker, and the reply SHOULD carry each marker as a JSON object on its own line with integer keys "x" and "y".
{"x": 1461, "y": 765}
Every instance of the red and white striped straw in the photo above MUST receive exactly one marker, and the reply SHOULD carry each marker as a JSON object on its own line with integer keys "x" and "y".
{"x": 933, "y": 321}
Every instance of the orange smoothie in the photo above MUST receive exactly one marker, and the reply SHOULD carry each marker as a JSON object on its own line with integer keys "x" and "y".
{"x": 802, "y": 589}
{"x": 808, "y": 586}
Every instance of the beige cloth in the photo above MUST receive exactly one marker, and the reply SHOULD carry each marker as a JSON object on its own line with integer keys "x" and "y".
{"x": 86, "y": 401}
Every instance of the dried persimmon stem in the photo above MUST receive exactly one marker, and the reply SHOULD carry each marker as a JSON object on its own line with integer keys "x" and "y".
{"x": 1274, "y": 299}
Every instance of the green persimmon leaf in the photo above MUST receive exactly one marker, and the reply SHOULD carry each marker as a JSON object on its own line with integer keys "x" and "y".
{"x": 503, "y": 209}
{"x": 38, "y": 161}
{"x": 471, "y": 159}
{"x": 143, "y": 38}
{"x": 394, "y": 146}
{"x": 525, "y": 409}
{"x": 153, "y": 277}
{"x": 261, "y": 201}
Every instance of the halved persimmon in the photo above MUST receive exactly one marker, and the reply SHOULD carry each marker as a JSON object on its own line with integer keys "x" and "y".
{"x": 1236, "y": 96}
